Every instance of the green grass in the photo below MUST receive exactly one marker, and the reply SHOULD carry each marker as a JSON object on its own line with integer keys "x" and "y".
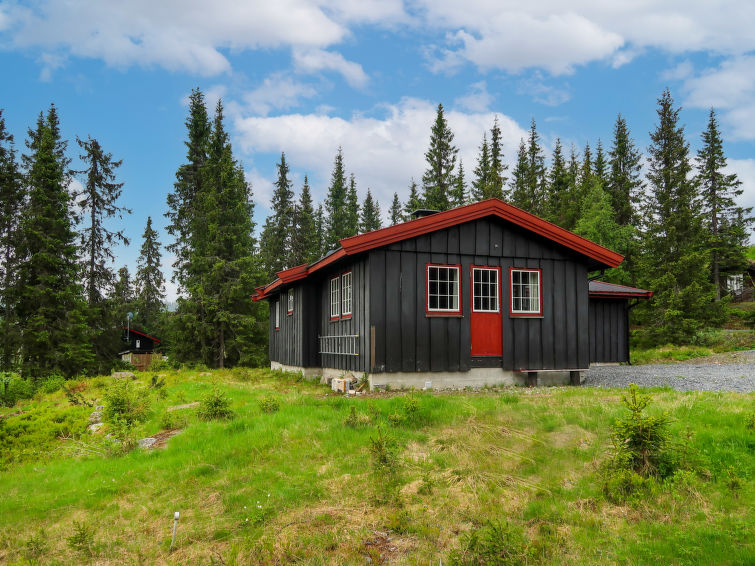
{"x": 751, "y": 253}
{"x": 710, "y": 342}
{"x": 297, "y": 485}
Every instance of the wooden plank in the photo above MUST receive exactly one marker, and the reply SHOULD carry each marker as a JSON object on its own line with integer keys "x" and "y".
{"x": 582, "y": 294}
{"x": 411, "y": 279}
{"x": 377, "y": 306}
{"x": 495, "y": 246}
{"x": 422, "y": 336}
{"x": 570, "y": 327}
{"x": 438, "y": 343}
{"x": 467, "y": 238}
{"x": 508, "y": 238}
{"x": 393, "y": 320}
{"x": 453, "y": 240}
{"x": 507, "y": 327}
{"x": 482, "y": 237}
{"x": 547, "y": 326}
{"x": 535, "y": 332}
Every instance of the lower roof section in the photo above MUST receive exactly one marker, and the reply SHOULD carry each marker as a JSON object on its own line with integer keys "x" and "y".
{"x": 612, "y": 290}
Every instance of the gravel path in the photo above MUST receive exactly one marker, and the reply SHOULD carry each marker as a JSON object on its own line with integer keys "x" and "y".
{"x": 733, "y": 373}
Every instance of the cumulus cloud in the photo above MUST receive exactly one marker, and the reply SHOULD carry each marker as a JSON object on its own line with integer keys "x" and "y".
{"x": 541, "y": 91}
{"x": 745, "y": 170}
{"x": 316, "y": 60}
{"x": 383, "y": 152}
{"x": 478, "y": 99}
{"x": 279, "y": 91}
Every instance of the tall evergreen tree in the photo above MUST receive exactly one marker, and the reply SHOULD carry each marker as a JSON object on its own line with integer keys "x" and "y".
{"x": 532, "y": 192}
{"x": 335, "y": 205}
{"x": 572, "y": 206}
{"x": 497, "y": 166}
{"x": 320, "y": 231}
{"x": 11, "y": 204}
{"x": 414, "y": 202}
{"x": 675, "y": 258}
{"x": 458, "y": 194}
{"x": 481, "y": 184}
{"x": 97, "y": 203}
{"x": 624, "y": 183}
{"x": 150, "y": 283}
{"x": 352, "y": 208}
{"x": 557, "y": 197}
{"x": 520, "y": 195}
{"x": 122, "y": 296}
{"x": 305, "y": 247}
{"x": 276, "y": 236}
{"x": 721, "y": 212}
{"x": 181, "y": 202}
{"x": 370, "y": 214}
{"x": 49, "y": 302}
{"x": 441, "y": 162}
{"x": 600, "y": 167}
{"x": 395, "y": 210}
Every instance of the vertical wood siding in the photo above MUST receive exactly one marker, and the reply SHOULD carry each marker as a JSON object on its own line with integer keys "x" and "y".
{"x": 408, "y": 340}
{"x": 609, "y": 330}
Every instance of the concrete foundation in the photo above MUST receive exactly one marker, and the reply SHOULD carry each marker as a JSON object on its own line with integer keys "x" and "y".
{"x": 475, "y": 378}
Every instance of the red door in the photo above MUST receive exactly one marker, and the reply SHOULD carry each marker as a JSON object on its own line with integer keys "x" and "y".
{"x": 485, "y": 319}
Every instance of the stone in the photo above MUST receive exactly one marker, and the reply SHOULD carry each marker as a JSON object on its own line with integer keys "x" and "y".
{"x": 147, "y": 443}
{"x": 95, "y": 427}
{"x": 96, "y": 416}
{"x": 123, "y": 374}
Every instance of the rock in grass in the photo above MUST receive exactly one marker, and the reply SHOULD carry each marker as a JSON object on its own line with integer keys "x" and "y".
{"x": 123, "y": 374}
{"x": 147, "y": 443}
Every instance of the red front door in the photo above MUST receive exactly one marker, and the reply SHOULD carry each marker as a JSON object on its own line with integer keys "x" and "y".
{"x": 485, "y": 317}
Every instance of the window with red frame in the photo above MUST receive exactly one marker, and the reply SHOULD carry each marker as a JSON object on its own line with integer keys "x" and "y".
{"x": 525, "y": 292}
{"x": 443, "y": 289}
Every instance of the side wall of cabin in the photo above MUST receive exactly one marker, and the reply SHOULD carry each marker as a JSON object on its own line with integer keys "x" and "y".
{"x": 609, "y": 330}
{"x": 407, "y": 340}
{"x": 286, "y": 344}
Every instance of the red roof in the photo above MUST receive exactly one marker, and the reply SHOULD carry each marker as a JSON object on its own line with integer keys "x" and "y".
{"x": 427, "y": 224}
{"x": 132, "y": 329}
{"x": 612, "y": 290}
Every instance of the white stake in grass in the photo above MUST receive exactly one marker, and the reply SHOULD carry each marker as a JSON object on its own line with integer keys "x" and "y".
{"x": 175, "y": 526}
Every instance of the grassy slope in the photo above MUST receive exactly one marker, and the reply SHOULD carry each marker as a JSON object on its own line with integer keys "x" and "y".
{"x": 296, "y": 485}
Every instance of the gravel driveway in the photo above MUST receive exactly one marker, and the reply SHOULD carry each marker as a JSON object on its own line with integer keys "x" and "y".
{"x": 726, "y": 373}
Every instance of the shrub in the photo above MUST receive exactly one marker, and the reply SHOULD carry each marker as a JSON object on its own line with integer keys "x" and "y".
{"x": 385, "y": 466}
{"x": 750, "y": 421}
{"x": 82, "y": 539}
{"x": 215, "y": 406}
{"x": 496, "y": 543}
{"x": 172, "y": 420}
{"x": 122, "y": 431}
{"x": 623, "y": 486}
{"x": 13, "y": 388}
{"x": 36, "y": 546}
{"x": 269, "y": 404}
{"x": 355, "y": 419}
{"x": 124, "y": 403}
{"x": 160, "y": 364}
{"x": 52, "y": 384}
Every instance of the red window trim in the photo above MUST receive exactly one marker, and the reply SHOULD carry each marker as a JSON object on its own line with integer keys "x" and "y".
{"x": 513, "y": 314}
{"x": 451, "y": 313}
{"x": 350, "y": 314}
{"x": 330, "y": 298}
{"x": 471, "y": 287}
{"x": 289, "y": 312}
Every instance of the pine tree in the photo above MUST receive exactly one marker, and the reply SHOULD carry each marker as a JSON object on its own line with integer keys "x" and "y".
{"x": 335, "y": 205}
{"x": 497, "y": 167}
{"x": 520, "y": 196}
{"x": 458, "y": 194}
{"x": 49, "y": 302}
{"x": 395, "y": 211}
{"x": 414, "y": 202}
{"x": 481, "y": 185}
{"x": 305, "y": 247}
{"x": 150, "y": 283}
{"x": 624, "y": 183}
{"x": 320, "y": 230}
{"x": 122, "y": 296}
{"x": 11, "y": 204}
{"x": 600, "y": 167}
{"x": 572, "y": 206}
{"x": 370, "y": 214}
{"x": 276, "y": 236}
{"x": 181, "y": 202}
{"x": 441, "y": 162}
{"x": 97, "y": 203}
{"x": 535, "y": 173}
{"x": 723, "y": 218}
{"x": 675, "y": 259}
{"x": 352, "y": 208}
{"x": 557, "y": 198}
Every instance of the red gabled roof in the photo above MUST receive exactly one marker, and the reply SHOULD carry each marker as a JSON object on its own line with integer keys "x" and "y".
{"x": 132, "y": 329}
{"x": 438, "y": 221}
{"x": 613, "y": 290}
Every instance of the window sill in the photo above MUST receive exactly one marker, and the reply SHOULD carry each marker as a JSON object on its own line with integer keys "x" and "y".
{"x": 525, "y": 315}
{"x": 346, "y": 317}
{"x": 444, "y": 315}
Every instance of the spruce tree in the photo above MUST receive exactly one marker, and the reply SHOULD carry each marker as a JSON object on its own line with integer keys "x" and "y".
{"x": 97, "y": 203}
{"x": 49, "y": 302}
{"x": 458, "y": 194}
{"x": 721, "y": 213}
{"x": 276, "y": 236}
{"x": 370, "y": 214}
{"x": 600, "y": 167}
{"x": 150, "y": 283}
{"x": 122, "y": 296}
{"x": 520, "y": 196}
{"x": 414, "y": 202}
{"x": 535, "y": 173}
{"x": 441, "y": 162}
{"x": 572, "y": 206}
{"x": 352, "y": 208}
{"x": 497, "y": 166}
{"x": 624, "y": 183}
{"x": 395, "y": 211}
{"x": 557, "y": 197}
{"x": 335, "y": 205}
{"x": 320, "y": 231}
{"x": 11, "y": 204}
{"x": 675, "y": 255}
{"x": 481, "y": 184}
{"x": 181, "y": 202}
{"x": 305, "y": 247}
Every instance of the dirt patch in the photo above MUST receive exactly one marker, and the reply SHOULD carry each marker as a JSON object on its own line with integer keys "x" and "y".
{"x": 184, "y": 406}
{"x": 571, "y": 436}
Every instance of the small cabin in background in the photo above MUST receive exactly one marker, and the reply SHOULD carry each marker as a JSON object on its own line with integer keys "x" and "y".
{"x": 142, "y": 348}
{"x": 482, "y": 294}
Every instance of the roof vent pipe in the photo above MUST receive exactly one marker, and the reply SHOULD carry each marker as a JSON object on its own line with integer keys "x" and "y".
{"x": 421, "y": 212}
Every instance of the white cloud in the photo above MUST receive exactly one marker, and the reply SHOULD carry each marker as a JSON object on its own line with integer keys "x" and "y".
{"x": 542, "y": 92}
{"x": 745, "y": 170}
{"x": 384, "y": 153}
{"x": 316, "y": 60}
{"x": 478, "y": 99}
{"x": 277, "y": 92}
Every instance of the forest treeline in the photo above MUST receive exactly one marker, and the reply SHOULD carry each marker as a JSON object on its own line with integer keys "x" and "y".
{"x": 62, "y": 303}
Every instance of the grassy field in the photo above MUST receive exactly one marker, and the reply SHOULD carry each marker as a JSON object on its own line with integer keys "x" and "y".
{"x": 303, "y": 475}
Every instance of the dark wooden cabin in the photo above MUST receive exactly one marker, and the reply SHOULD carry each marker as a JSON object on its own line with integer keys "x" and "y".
{"x": 141, "y": 347}
{"x": 482, "y": 294}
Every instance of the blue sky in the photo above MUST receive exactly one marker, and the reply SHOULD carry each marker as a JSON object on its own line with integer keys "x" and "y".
{"x": 305, "y": 76}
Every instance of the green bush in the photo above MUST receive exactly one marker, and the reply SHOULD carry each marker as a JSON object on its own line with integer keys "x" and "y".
{"x": 52, "y": 384}
{"x": 355, "y": 420}
{"x": 124, "y": 403}
{"x": 384, "y": 466}
{"x": 627, "y": 486}
{"x": 159, "y": 364}
{"x": 82, "y": 539}
{"x": 496, "y": 543}
{"x": 269, "y": 404}
{"x": 14, "y": 388}
{"x": 215, "y": 406}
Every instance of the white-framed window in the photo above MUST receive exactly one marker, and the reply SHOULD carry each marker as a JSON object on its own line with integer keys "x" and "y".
{"x": 290, "y": 301}
{"x": 443, "y": 289}
{"x": 526, "y": 286}
{"x": 346, "y": 297}
{"x": 335, "y": 299}
{"x": 138, "y": 343}
{"x": 485, "y": 289}
{"x": 277, "y": 314}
